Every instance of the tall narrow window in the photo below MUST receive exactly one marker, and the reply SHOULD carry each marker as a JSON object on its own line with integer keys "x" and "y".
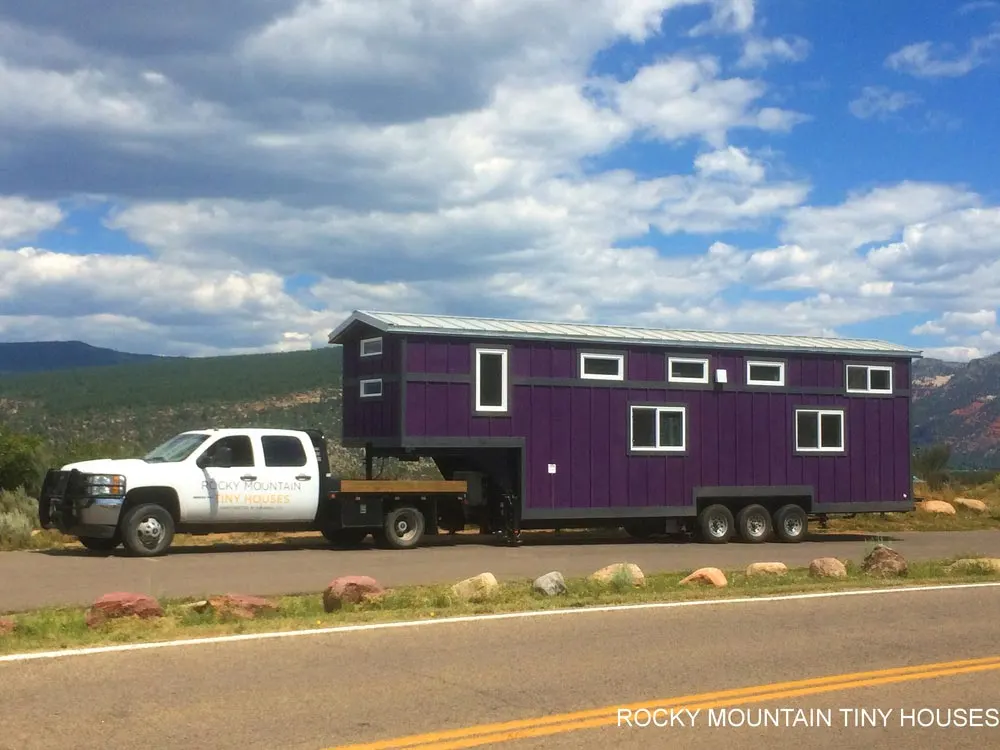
{"x": 491, "y": 380}
{"x": 658, "y": 428}
{"x": 819, "y": 430}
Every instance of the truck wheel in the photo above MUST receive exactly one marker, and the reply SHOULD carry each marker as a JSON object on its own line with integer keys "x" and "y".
{"x": 754, "y": 524}
{"x": 403, "y": 528}
{"x": 791, "y": 523}
{"x": 147, "y": 530}
{"x": 100, "y": 544}
{"x": 716, "y": 524}
{"x": 345, "y": 537}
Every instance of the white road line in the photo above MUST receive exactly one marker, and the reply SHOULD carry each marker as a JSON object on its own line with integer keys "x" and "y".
{"x": 30, "y": 656}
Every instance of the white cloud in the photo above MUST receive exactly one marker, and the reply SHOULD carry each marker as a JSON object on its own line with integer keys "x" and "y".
{"x": 954, "y": 353}
{"x": 759, "y": 51}
{"x": 732, "y": 161}
{"x": 880, "y": 102}
{"x": 21, "y": 218}
{"x": 927, "y": 60}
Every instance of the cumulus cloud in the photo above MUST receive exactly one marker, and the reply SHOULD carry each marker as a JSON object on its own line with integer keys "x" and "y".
{"x": 758, "y": 52}
{"x": 21, "y": 218}
{"x": 929, "y": 60}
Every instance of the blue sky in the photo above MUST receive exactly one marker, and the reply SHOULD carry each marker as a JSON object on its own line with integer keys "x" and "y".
{"x": 185, "y": 180}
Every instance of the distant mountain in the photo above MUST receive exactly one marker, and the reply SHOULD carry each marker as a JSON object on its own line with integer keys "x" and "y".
{"x": 45, "y": 356}
{"x": 959, "y": 404}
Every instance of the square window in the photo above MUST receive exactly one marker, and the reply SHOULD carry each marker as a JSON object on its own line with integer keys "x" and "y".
{"x": 683, "y": 370}
{"x": 658, "y": 428}
{"x": 819, "y": 430}
{"x": 869, "y": 379}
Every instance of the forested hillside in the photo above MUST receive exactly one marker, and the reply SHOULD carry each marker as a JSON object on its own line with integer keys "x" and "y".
{"x": 43, "y": 356}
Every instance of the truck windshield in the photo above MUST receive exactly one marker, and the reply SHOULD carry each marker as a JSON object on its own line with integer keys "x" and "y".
{"x": 176, "y": 449}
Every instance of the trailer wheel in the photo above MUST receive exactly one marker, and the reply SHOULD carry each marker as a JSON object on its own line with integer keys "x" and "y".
{"x": 147, "y": 530}
{"x": 403, "y": 528}
{"x": 791, "y": 523}
{"x": 100, "y": 544}
{"x": 716, "y": 524}
{"x": 754, "y": 524}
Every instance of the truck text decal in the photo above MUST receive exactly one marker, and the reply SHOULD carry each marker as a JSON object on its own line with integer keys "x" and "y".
{"x": 211, "y": 485}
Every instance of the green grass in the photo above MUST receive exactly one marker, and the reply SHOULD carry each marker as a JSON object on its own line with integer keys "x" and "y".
{"x": 60, "y": 628}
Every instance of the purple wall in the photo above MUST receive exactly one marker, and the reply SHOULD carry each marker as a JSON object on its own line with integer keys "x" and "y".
{"x": 371, "y": 417}
{"x": 733, "y": 439}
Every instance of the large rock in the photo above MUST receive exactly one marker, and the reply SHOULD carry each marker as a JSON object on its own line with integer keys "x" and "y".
{"x": 884, "y": 561}
{"x": 827, "y": 567}
{"x": 240, "y": 606}
{"x": 476, "y": 588}
{"x": 936, "y": 506}
{"x": 972, "y": 504}
{"x": 7, "y": 626}
{"x": 122, "y": 604}
{"x": 975, "y": 565}
{"x": 550, "y": 584}
{"x": 710, "y": 576}
{"x": 352, "y": 589}
{"x": 620, "y": 571}
{"x": 766, "y": 569}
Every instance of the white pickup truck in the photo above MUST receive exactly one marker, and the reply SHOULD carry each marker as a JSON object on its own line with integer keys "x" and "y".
{"x": 226, "y": 480}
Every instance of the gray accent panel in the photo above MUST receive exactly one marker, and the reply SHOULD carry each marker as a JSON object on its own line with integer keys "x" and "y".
{"x": 402, "y": 388}
{"x": 885, "y": 506}
{"x": 802, "y": 490}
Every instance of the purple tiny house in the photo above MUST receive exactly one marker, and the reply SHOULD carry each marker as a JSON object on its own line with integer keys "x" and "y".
{"x": 582, "y": 425}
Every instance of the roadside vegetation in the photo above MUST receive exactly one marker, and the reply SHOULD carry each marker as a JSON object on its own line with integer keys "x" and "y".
{"x": 67, "y": 627}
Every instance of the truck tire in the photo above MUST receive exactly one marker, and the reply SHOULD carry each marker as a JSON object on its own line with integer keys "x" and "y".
{"x": 147, "y": 530}
{"x": 715, "y": 524}
{"x": 403, "y": 528}
{"x": 791, "y": 523}
{"x": 754, "y": 524}
{"x": 100, "y": 544}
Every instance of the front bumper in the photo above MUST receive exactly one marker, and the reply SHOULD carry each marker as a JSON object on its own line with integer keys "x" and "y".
{"x": 65, "y": 504}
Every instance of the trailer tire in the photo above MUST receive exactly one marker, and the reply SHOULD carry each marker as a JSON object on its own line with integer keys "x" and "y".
{"x": 147, "y": 530}
{"x": 754, "y": 524}
{"x": 791, "y": 523}
{"x": 715, "y": 524}
{"x": 403, "y": 528}
{"x": 100, "y": 544}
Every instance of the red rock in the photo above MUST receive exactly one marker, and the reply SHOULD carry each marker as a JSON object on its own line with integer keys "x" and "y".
{"x": 7, "y": 626}
{"x": 122, "y": 604}
{"x": 353, "y": 589}
{"x": 238, "y": 605}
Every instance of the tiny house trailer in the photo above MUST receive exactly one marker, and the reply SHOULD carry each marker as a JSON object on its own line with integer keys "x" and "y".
{"x": 557, "y": 425}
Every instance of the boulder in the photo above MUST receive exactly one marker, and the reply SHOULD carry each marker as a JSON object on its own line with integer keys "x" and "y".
{"x": 712, "y": 576}
{"x": 975, "y": 564}
{"x": 936, "y": 506}
{"x": 972, "y": 504}
{"x": 476, "y": 588}
{"x": 122, "y": 604}
{"x": 7, "y": 626}
{"x": 766, "y": 569}
{"x": 240, "y": 606}
{"x": 827, "y": 567}
{"x": 884, "y": 561}
{"x": 352, "y": 589}
{"x": 550, "y": 584}
{"x": 626, "y": 571}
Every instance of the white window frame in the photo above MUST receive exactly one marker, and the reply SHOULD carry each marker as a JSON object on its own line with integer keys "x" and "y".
{"x": 619, "y": 358}
{"x": 504, "y": 380}
{"x": 820, "y": 413}
{"x": 868, "y": 378}
{"x": 766, "y": 363}
{"x": 682, "y": 410}
{"x": 364, "y": 353}
{"x": 687, "y": 360}
{"x": 363, "y": 383}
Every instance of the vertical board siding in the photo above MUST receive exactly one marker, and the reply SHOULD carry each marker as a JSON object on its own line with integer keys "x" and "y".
{"x": 733, "y": 439}
{"x": 371, "y": 417}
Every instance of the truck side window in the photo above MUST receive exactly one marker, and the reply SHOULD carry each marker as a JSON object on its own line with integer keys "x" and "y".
{"x": 283, "y": 450}
{"x": 241, "y": 447}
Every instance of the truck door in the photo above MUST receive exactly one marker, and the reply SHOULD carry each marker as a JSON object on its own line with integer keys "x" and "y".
{"x": 289, "y": 478}
{"x": 227, "y": 469}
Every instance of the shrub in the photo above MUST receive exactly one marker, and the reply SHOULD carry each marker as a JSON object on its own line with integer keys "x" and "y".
{"x": 18, "y": 518}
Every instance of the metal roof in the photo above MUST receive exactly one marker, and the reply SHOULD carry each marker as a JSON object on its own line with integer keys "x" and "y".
{"x": 417, "y": 323}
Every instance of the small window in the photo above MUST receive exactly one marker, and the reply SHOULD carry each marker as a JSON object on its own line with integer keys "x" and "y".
{"x": 683, "y": 370}
{"x": 371, "y": 388}
{"x": 869, "y": 379}
{"x": 491, "y": 380}
{"x": 765, "y": 373}
{"x": 658, "y": 428}
{"x": 602, "y": 366}
{"x": 371, "y": 347}
{"x": 819, "y": 430}
{"x": 241, "y": 447}
{"x": 283, "y": 450}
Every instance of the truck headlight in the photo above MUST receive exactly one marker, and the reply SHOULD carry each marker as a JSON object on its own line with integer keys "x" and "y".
{"x": 104, "y": 485}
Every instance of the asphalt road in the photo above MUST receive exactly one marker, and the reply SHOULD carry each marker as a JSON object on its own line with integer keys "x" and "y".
{"x": 375, "y": 686}
{"x": 65, "y": 577}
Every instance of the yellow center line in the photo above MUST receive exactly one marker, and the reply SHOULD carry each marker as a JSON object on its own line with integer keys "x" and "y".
{"x": 473, "y": 736}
